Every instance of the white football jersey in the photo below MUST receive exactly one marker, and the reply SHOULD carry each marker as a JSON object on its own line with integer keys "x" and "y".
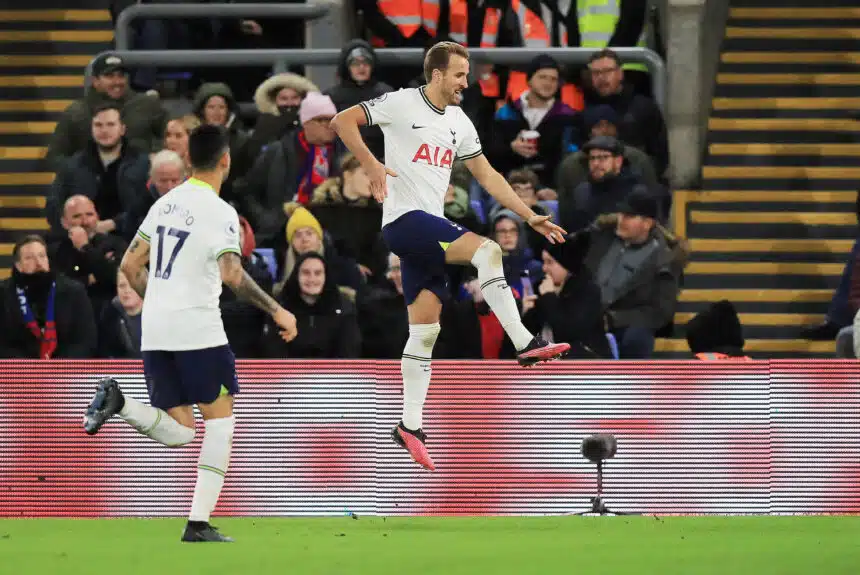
{"x": 187, "y": 228}
{"x": 421, "y": 143}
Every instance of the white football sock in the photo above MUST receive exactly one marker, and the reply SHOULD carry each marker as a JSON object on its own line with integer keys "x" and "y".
{"x": 155, "y": 423}
{"x": 415, "y": 368}
{"x": 212, "y": 467}
{"x": 497, "y": 293}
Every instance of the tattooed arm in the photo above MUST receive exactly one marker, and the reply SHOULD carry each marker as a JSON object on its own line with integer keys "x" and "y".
{"x": 133, "y": 265}
{"x": 247, "y": 290}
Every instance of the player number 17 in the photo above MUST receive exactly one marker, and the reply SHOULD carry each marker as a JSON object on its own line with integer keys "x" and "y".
{"x": 181, "y": 236}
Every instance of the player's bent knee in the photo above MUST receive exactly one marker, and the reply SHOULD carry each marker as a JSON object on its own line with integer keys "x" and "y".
{"x": 182, "y": 435}
{"x": 488, "y": 253}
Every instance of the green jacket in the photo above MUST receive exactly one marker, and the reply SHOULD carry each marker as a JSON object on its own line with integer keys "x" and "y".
{"x": 144, "y": 118}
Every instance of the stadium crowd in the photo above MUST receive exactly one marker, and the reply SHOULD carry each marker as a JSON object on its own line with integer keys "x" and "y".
{"x": 588, "y": 147}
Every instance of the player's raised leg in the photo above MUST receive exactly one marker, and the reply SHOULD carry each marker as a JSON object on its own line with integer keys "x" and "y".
{"x": 172, "y": 428}
{"x": 415, "y": 368}
{"x": 486, "y": 256}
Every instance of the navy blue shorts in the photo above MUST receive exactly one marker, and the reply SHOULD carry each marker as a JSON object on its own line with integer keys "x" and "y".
{"x": 420, "y": 240}
{"x": 176, "y": 378}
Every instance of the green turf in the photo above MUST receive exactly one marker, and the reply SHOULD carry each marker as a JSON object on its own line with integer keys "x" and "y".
{"x": 419, "y": 546}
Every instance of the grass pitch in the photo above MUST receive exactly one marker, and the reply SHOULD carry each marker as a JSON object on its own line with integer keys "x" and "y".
{"x": 450, "y": 546}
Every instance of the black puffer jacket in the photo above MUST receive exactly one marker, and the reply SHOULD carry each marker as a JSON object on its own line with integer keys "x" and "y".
{"x": 327, "y": 328}
{"x": 348, "y": 93}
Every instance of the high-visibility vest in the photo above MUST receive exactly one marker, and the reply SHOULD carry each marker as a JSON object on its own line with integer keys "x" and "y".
{"x": 597, "y": 21}
{"x": 405, "y": 14}
{"x": 458, "y": 18}
{"x": 714, "y": 356}
{"x": 535, "y": 34}
{"x": 411, "y": 15}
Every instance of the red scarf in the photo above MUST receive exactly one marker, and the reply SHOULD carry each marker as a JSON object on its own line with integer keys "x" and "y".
{"x": 315, "y": 170}
{"x": 47, "y": 337}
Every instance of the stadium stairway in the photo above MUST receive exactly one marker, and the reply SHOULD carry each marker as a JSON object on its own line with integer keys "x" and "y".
{"x": 775, "y": 220}
{"x": 42, "y": 58}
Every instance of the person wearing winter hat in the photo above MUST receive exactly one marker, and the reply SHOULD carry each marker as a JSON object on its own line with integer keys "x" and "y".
{"x": 357, "y": 84}
{"x": 304, "y": 234}
{"x": 601, "y": 121}
{"x": 537, "y": 129}
{"x": 277, "y": 101}
{"x": 289, "y": 169}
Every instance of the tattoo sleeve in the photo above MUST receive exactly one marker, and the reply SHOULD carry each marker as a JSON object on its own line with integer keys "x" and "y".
{"x": 135, "y": 255}
{"x": 138, "y": 282}
{"x": 245, "y": 288}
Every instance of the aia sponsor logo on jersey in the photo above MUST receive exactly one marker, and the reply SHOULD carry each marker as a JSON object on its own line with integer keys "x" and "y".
{"x": 434, "y": 156}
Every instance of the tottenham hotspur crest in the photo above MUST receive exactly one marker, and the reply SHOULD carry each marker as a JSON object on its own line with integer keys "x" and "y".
{"x": 453, "y": 137}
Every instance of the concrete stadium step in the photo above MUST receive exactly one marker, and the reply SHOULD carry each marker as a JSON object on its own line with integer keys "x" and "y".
{"x": 44, "y": 53}
{"x": 757, "y": 348}
{"x": 776, "y": 224}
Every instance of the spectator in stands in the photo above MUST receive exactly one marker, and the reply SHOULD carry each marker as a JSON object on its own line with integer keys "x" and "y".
{"x": 277, "y": 100}
{"x": 514, "y": 144}
{"x": 345, "y": 209}
{"x": 85, "y": 255}
{"x": 120, "y": 324}
{"x": 382, "y": 316}
{"x": 525, "y": 183}
{"x": 567, "y": 306}
{"x": 143, "y": 115}
{"x": 715, "y": 333}
{"x": 108, "y": 171}
{"x": 304, "y": 234}
{"x": 458, "y": 208}
{"x": 176, "y": 136}
{"x": 609, "y": 182}
{"x": 637, "y": 265}
{"x": 326, "y": 320}
{"x": 289, "y": 169}
{"x": 641, "y": 124}
{"x": 168, "y": 170}
{"x": 214, "y": 104}
{"x": 244, "y": 322}
{"x": 43, "y": 315}
{"x": 574, "y": 169}
{"x": 517, "y": 260}
{"x": 357, "y": 84}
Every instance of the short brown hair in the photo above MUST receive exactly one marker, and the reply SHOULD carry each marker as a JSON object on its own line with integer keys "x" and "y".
{"x": 605, "y": 53}
{"x": 524, "y": 176}
{"x": 24, "y": 241}
{"x": 439, "y": 55}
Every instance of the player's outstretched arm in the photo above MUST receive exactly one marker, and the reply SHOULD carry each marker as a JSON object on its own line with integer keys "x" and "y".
{"x": 247, "y": 290}
{"x": 346, "y": 125}
{"x": 133, "y": 265}
{"x": 498, "y": 187}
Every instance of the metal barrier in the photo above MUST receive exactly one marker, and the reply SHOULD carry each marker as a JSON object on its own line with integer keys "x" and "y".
{"x": 387, "y": 56}
{"x": 122, "y": 30}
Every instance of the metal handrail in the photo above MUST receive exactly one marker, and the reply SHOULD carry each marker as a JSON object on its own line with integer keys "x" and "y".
{"x": 122, "y": 29}
{"x": 386, "y": 56}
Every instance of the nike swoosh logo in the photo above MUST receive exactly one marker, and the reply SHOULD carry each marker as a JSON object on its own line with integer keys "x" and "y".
{"x": 414, "y": 127}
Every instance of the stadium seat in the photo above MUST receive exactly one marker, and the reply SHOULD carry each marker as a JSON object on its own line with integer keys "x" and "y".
{"x": 478, "y": 208}
{"x": 268, "y": 255}
{"x": 613, "y": 345}
{"x": 552, "y": 206}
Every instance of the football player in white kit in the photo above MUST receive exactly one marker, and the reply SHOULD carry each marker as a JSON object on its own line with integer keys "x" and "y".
{"x": 425, "y": 130}
{"x": 190, "y": 240}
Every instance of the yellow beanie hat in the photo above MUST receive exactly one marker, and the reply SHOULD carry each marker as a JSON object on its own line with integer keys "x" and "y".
{"x": 300, "y": 217}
